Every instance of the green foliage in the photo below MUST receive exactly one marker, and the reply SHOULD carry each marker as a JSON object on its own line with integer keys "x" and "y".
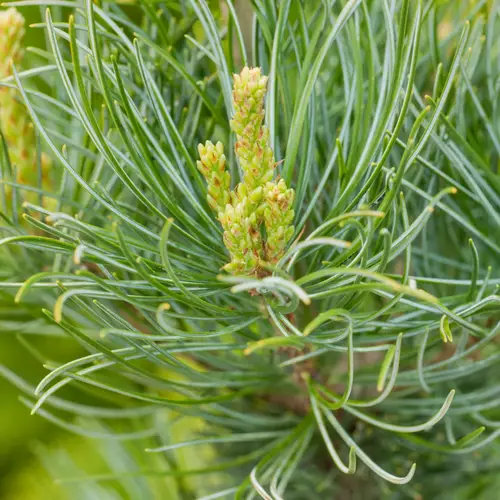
{"x": 371, "y": 345}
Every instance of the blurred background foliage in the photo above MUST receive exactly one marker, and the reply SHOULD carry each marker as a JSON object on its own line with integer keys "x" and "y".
{"x": 31, "y": 446}
{"x": 34, "y": 451}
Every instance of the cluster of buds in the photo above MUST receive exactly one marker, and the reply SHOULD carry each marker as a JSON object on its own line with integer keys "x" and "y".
{"x": 258, "y": 200}
{"x": 242, "y": 238}
{"x": 15, "y": 123}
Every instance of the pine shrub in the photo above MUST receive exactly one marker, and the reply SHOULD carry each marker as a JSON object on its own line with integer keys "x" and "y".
{"x": 273, "y": 242}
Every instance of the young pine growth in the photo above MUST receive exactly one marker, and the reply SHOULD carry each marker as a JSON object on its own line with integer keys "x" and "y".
{"x": 15, "y": 122}
{"x": 259, "y": 203}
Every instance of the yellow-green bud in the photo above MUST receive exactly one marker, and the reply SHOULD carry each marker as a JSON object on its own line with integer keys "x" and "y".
{"x": 11, "y": 37}
{"x": 213, "y": 168}
{"x": 252, "y": 146}
{"x": 278, "y": 217}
